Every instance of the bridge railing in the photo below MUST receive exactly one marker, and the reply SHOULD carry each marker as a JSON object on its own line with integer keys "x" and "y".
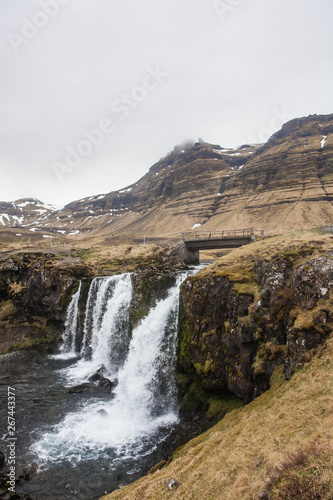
{"x": 216, "y": 235}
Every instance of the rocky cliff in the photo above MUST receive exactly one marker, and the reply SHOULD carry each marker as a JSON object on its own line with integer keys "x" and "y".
{"x": 284, "y": 184}
{"x": 35, "y": 290}
{"x": 262, "y": 306}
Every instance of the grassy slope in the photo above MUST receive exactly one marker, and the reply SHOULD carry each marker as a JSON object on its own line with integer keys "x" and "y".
{"x": 298, "y": 247}
{"x": 235, "y": 459}
{"x": 119, "y": 258}
{"x": 285, "y": 435}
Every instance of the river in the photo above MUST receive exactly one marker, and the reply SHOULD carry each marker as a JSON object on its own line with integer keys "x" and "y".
{"x": 89, "y": 443}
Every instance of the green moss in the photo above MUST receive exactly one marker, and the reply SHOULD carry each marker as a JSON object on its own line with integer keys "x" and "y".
{"x": 158, "y": 466}
{"x": 152, "y": 286}
{"x": 219, "y": 406}
{"x": 7, "y": 309}
{"x": 257, "y": 334}
{"x": 196, "y": 398}
{"x": 209, "y": 366}
{"x": 246, "y": 320}
{"x": 183, "y": 382}
{"x": 26, "y": 345}
{"x": 85, "y": 254}
{"x": 183, "y": 337}
{"x": 267, "y": 351}
{"x": 250, "y": 288}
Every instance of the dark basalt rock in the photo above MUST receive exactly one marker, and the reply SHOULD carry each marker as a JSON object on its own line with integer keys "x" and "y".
{"x": 35, "y": 291}
{"x": 85, "y": 387}
{"x": 232, "y": 342}
{"x": 96, "y": 376}
{"x": 105, "y": 383}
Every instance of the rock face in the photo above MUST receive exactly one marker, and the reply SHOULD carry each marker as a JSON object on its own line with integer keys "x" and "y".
{"x": 236, "y": 329}
{"x": 285, "y": 184}
{"x": 150, "y": 284}
{"x": 34, "y": 294}
{"x": 36, "y": 289}
{"x": 288, "y": 182}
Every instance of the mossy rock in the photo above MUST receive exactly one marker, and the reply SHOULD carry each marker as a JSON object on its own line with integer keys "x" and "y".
{"x": 220, "y": 406}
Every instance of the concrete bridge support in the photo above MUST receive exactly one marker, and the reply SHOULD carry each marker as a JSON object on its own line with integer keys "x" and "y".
{"x": 180, "y": 253}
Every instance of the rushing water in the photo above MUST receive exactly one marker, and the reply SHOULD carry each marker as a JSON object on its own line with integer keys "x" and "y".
{"x": 92, "y": 442}
{"x": 106, "y": 333}
{"x": 70, "y": 337}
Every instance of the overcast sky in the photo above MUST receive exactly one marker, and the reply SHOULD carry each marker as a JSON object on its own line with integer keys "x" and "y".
{"x": 93, "y": 92}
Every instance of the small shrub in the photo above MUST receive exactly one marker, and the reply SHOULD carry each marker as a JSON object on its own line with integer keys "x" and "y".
{"x": 304, "y": 475}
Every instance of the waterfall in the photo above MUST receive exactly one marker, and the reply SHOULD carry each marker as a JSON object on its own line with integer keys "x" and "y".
{"x": 143, "y": 408}
{"x": 110, "y": 322}
{"x": 146, "y": 384}
{"x": 71, "y": 335}
{"x": 100, "y": 291}
{"x": 106, "y": 333}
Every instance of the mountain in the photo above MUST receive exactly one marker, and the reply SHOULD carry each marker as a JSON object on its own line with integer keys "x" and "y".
{"x": 24, "y": 212}
{"x": 284, "y": 184}
{"x": 24, "y": 215}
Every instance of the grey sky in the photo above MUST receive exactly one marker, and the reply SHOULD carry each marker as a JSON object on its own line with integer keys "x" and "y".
{"x": 229, "y": 72}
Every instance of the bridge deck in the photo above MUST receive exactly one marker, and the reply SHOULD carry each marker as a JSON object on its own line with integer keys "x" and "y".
{"x": 217, "y": 235}
{"x": 194, "y": 241}
{"x": 229, "y": 242}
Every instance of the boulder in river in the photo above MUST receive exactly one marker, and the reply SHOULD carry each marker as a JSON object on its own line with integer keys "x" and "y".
{"x": 105, "y": 383}
{"x": 96, "y": 376}
{"x": 85, "y": 387}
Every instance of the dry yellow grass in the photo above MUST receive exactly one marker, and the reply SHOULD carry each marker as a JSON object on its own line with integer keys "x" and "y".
{"x": 236, "y": 458}
{"x": 118, "y": 258}
{"x": 298, "y": 247}
{"x": 96, "y": 254}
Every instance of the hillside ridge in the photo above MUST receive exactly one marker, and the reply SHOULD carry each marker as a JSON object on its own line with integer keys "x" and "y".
{"x": 286, "y": 183}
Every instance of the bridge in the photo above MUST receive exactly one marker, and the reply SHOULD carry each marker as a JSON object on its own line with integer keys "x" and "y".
{"x": 194, "y": 241}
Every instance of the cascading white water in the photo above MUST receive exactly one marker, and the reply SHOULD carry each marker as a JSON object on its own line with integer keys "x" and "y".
{"x": 70, "y": 338}
{"x": 94, "y": 287}
{"x": 147, "y": 375}
{"x": 101, "y": 290}
{"x": 106, "y": 328}
{"x": 143, "y": 408}
{"x": 110, "y": 326}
